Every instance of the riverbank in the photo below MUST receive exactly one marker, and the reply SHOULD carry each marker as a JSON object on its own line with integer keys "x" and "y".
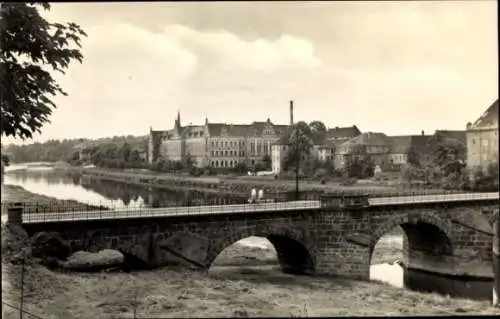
{"x": 40, "y": 203}
{"x": 244, "y": 184}
{"x": 257, "y": 288}
{"x": 225, "y": 292}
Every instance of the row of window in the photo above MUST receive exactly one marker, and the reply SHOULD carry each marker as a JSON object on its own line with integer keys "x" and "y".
{"x": 260, "y": 147}
{"x": 228, "y": 143}
{"x": 483, "y": 142}
{"x": 226, "y": 163}
{"x": 228, "y": 153}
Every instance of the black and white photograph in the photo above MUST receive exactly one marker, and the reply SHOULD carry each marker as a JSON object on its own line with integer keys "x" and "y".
{"x": 229, "y": 159}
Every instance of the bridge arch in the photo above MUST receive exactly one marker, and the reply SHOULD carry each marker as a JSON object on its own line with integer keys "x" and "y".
{"x": 295, "y": 256}
{"x": 424, "y": 232}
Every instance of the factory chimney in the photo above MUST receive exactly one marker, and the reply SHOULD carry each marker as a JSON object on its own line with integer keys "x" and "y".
{"x": 291, "y": 113}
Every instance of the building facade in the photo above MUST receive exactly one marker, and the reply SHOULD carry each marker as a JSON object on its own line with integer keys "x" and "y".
{"x": 218, "y": 145}
{"x": 482, "y": 139}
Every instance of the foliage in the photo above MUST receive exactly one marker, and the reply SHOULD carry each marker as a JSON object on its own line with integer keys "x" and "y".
{"x": 318, "y": 130}
{"x": 50, "y": 151}
{"x": 267, "y": 162}
{"x": 5, "y": 160}
{"x": 164, "y": 165}
{"x": 188, "y": 161}
{"x": 30, "y": 44}
{"x": 300, "y": 144}
{"x": 413, "y": 157}
{"x": 486, "y": 180}
{"x": 64, "y": 150}
{"x": 359, "y": 166}
{"x": 115, "y": 155}
{"x": 443, "y": 167}
{"x": 448, "y": 155}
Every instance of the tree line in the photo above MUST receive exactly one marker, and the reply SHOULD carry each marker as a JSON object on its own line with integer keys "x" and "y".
{"x": 444, "y": 166}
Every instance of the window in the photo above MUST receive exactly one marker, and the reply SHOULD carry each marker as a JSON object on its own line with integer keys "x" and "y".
{"x": 485, "y": 142}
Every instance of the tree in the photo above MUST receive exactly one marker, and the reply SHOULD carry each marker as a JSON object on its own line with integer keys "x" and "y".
{"x": 448, "y": 155}
{"x": 125, "y": 151}
{"x": 4, "y": 163}
{"x": 413, "y": 157}
{"x": 267, "y": 162}
{"x": 318, "y": 130}
{"x": 486, "y": 179}
{"x": 188, "y": 161}
{"x": 30, "y": 44}
{"x": 300, "y": 141}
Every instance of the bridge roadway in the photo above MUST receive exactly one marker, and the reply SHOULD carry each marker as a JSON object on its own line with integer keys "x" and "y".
{"x": 144, "y": 212}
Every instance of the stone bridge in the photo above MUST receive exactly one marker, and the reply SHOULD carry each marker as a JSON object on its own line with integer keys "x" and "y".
{"x": 447, "y": 237}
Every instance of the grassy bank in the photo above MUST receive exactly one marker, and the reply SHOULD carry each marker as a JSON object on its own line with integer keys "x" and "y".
{"x": 243, "y": 184}
{"x": 232, "y": 292}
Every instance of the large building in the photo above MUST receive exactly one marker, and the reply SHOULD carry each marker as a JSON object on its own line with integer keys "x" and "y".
{"x": 482, "y": 139}
{"x": 216, "y": 144}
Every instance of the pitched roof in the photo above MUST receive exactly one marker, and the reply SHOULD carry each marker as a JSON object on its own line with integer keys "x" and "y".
{"x": 370, "y": 138}
{"x": 488, "y": 118}
{"x": 343, "y": 132}
{"x": 330, "y": 144}
{"x": 193, "y": 131}
{"x": 401, "y": 144}
{"x": 236, "y": 130}
{"x": 442, "y": 134}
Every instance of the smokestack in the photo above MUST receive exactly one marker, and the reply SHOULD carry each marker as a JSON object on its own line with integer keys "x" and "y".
{"x": 291, "y": 113}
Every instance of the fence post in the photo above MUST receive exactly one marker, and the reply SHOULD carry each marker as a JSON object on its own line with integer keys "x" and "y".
{"x": 496, "y": 261}
{"x": 15, "y": 213}
{"x": 22, "y": 287}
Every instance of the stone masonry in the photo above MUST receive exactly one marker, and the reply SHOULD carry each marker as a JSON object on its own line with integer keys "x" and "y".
{"x": 452, "y": 238}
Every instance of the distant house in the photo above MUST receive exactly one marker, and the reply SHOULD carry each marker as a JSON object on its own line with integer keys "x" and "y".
{"x": 327, "y": 150}
{"x": 482, "y": 138}
{"x": 278, "y": 154}
{"x": 322, "y": 150}
{"x": 401, "y": 146}
{"x": 342, "y": 133}
{"x": 84, "y": 150}
{"x": 376, "y": 145}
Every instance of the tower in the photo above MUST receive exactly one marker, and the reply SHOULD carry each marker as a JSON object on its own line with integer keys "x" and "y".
{"x": 291, "y": 113}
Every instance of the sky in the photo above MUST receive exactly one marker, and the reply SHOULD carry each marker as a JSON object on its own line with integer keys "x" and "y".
{"x": 393, "y": 67}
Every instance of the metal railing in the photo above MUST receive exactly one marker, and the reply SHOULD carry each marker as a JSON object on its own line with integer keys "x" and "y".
{"x": 169, "y": 211}
{"x": 32, "y": 212}
{"x": 437, "y": 198}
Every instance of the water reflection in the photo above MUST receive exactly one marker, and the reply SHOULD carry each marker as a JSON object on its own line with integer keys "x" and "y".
{"x": 65, "y": 185}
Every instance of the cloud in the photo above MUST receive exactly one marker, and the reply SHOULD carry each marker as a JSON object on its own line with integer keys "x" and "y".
{"x": 232, "y": 52}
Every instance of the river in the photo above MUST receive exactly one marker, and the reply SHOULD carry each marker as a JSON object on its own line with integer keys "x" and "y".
{"x": 59, "y": 184}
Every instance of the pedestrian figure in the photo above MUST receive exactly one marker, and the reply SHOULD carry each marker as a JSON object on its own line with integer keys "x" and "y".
{"x": 261, "y": 194}
{"x": 253, "y": 195}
